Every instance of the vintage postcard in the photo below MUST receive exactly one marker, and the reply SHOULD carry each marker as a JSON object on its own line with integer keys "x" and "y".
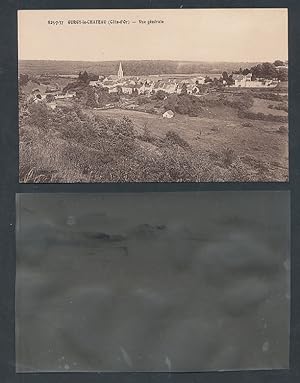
{"x": 177, "y": 95}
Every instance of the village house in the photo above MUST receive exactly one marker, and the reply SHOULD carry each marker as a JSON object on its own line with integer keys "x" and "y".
{"x": 239, "y": 80}
{"x": 108, "y": 84}
{"x": 65, "y": 96}
{"x": 170, "y": 87}
{"x": 192, "y": 89}
{"x": 113, "y": 89}
{"x": 168, "y": 114}
{"x": 127, "y": 88}
{"x": 246, "y": 81}
{"x": 96, "y": 83}
{"x": 158, "y": 86}
{"x": 140, "y": 88}
{"x": 200, "y": 80}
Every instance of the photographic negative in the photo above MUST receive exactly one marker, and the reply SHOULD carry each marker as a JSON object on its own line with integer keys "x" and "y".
{"x": 152, "y": 281}
{"x": 165, "y": 95}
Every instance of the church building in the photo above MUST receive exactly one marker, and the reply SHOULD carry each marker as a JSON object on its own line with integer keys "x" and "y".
{"x": 120, "y": 72}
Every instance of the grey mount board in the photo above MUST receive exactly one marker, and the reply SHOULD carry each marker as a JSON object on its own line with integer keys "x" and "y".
{"x": 152, "y": 281}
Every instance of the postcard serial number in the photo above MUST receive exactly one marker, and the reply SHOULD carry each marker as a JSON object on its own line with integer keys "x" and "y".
{"x": 55, "y": 22}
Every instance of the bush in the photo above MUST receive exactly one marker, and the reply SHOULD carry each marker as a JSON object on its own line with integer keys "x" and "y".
{"x": 151, "y": 110}
{"x": 282, "y": 106}
{"x": 159, "y": 95}
{"x": 228, "y": 156}
{"x": 124, "y": 128}
{"x": 78, "y": 146}
{"x": 247, "y": 124}
{"x": 174, "y": 138}
{"x": 262, "y": 116}
{"x": 141, "y": 100}
{"x": 282, "y": 129}
{"x": 184, "y": 104}
{"x": 39, "y": 115}
{"x": 244, "y": 101}
{"x": 268, "y": 96}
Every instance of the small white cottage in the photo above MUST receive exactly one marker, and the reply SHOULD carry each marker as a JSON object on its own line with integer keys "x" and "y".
{"x": 168, "y": 114}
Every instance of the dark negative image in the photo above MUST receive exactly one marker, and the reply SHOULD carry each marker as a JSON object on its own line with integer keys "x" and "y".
{"x": 152, "y": 282}
{"x": 186, "y": 99}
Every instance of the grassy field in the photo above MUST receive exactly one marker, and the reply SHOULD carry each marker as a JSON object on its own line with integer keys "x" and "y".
{"x": 262, "y": 106}
{"x": 261, "y": 144}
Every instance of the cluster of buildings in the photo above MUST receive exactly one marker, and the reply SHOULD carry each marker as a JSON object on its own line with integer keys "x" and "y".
{"x": 148, "y": 85}
{"x": 143, "y": 85}
{"x": 245, "y": 81}
{"x": 152, "y": 84}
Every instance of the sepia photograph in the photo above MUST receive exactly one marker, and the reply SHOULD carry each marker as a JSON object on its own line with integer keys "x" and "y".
{"x": 165, "y": 95}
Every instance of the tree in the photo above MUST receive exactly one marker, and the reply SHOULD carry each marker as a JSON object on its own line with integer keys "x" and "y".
{"x": 246, "y": 71}
{"x": 91, "y": 97}
{"x": 230, "y": 80}
{"x": 184, "y": 88}
{"x": 283, "y": 74}
{"x": 93, "y": 77}
{"x": 103, "y": 96}
{"x": 278, "y": 63}
{"x": 217, "y": 82}
{"x": 265, "y": 70}
{"x": 85, "y": 77}
{"x": 24, "y": 78}
{"x": 225, "y": 76}
{"x": 160, "y": 94}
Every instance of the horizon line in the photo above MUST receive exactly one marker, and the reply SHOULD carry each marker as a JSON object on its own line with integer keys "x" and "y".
{"x": 173, "y": 60}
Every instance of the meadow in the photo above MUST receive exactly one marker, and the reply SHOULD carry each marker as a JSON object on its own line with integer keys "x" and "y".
{"x": 75, "y": 143}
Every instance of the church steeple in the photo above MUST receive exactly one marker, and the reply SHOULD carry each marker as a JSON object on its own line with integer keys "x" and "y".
{"x": 120, "y": 71}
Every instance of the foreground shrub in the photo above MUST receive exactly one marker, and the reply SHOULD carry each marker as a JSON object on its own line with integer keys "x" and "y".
{"x": 175, "y": 138}
{"x": 184, "y": 104}
{"x": 269, "y": 96}
{"x": 282, "y": 129}
{"x": 243, "y": 102}
{"x": 247, "y": 124}
{"x": 74, "y": 146}
{"x": 262, "y": 116}
{"x": 228, "y": 156}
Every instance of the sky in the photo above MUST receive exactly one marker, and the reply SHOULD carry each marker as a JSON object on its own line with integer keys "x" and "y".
{"x": 236, "y": 35}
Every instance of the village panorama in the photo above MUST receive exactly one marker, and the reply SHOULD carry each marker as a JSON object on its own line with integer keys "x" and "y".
{"x": 153, "y": 121}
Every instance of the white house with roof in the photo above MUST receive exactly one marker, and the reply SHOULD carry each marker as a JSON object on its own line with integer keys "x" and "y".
{"x": 127, "y": 89}
{"x": 113, "y": 89}
{"x": 169, "y": 114}
{"x": 241, "y": 80}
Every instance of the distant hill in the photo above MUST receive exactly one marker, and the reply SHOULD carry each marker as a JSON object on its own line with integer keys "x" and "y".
{"x": 131, "y": 68}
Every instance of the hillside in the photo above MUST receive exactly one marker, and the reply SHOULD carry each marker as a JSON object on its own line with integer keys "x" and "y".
{"x": 131, "y": 68}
